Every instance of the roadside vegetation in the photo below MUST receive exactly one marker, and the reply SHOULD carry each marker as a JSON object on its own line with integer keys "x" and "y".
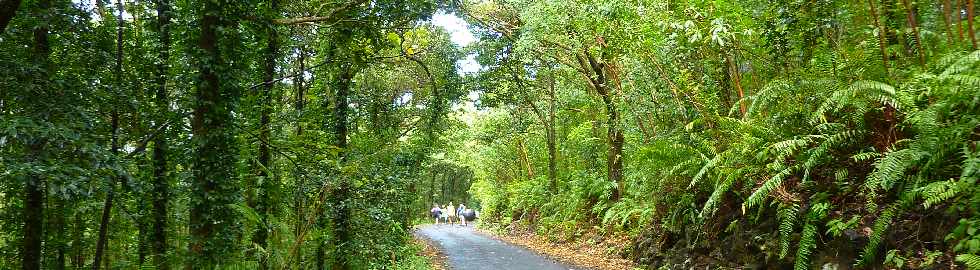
{"x": 314, "y": 134}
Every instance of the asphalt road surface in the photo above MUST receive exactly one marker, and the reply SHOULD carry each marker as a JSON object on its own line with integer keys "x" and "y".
{"x": 467, "y": 250}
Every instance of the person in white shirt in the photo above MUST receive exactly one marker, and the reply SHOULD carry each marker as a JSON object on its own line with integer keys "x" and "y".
{"x": 459, "y": 213}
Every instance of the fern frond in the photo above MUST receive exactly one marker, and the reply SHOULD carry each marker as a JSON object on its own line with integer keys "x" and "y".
{"x": 962, "y": 64}
{"x": 763, "y": 191}
{"x": 704, "y": 169}
{"x": 971, "y": 261}
{"x": 787, "y": 224}
{"x": 890, "y": 169}
{"x": 808, "y": 239}
{"x": 712, "y": 204}
{"x": 938, "y": 192}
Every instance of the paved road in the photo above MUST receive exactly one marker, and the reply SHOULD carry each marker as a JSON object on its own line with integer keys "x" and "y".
{"x": 468, "y": 250}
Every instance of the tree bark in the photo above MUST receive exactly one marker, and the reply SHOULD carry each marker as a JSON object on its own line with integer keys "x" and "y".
{"x": 214, "y": 186}
{"x": 614, "y": 155}
{"x": 947, "y": 19}
{"x": 34, "y": 204}
{"x": 969, "y": 23}
{"x": 102, "y": 242}
{"x": 341, "y": 193}
{"x": 34, "y": 187}
{"x": 910, "y": 15}
{"x": 161, "y": 188}
{"x": 551, "y": 140}
{"x": 8, "y": 8}
{"x": 266, "y": 187}
{"x": 882, "y": 36}
{"x": 299, "y": 198}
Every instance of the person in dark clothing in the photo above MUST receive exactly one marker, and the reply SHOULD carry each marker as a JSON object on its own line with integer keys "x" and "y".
{"x": 436, "y": 212}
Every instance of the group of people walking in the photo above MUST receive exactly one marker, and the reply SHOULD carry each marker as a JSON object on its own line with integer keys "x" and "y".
{"x": 449, "y": 214}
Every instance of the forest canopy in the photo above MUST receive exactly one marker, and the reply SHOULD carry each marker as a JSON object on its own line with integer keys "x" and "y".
{"x": 316, "y": 134}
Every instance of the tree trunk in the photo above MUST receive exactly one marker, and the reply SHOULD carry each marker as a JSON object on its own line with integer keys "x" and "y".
{"x": 614, "y": 154}
{"x": 552, "y": 144}
{"x": 299, "y": 198}
{"x": 8, "y": 8}
{"x": 102, "y": 242}
{"x": 882, "y": 36}
{"x": 736, "y": 78}
{"x": 947, "y": 19}
{"x": 910, "y": 15}
{"x": 341, "y": 194}
{"x": 969, "y": 23}
{"x": 78, "y": 249}
{"x": 35, "y": 184}
{"x": 161, "y": 188}
{"x": 266, "y": 187}
{"x": 34, "y": 203}
{"x": 214, "y": 185}
{"x": 958, "y": 20}
{"x": 58, "y": 239}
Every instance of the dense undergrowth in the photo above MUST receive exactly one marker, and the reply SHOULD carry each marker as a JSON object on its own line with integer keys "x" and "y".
{"x": 787, "y": 138}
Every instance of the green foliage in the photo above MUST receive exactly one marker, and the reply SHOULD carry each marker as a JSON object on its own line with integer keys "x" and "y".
{"x": 786, "y": 122}
{"x": 971, "y": 261}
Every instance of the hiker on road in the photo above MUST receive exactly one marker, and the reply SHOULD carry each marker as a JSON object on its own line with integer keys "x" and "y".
{"x": 435, "y": 212}
{"x": 459, "y": 213}
{"x": 452, "y": 213}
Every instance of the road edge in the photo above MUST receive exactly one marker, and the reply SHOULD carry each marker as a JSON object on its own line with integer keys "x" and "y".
{"x": 431, "y": 250}
{"x": 558, "y": 252}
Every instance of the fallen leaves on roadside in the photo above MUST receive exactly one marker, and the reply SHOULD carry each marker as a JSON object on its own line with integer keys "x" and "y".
{"x": 437, "y": 259}
{"x": 597, "y": 255}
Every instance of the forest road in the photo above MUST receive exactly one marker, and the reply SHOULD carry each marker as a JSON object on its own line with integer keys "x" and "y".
{"x": 466, "y": 249}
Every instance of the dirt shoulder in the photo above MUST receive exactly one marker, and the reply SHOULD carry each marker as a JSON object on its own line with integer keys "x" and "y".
{"x": 437, "y": 259}
{"x": 596, "y": 253}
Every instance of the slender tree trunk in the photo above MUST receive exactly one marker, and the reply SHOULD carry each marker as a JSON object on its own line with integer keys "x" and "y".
{"x": 882, "y": 35}
{"x": 969, "y": 23}
{"x": 161, "y": 188}
{"x": 300, "y": 199}
{"x": 8, "y": 8}
{"x": 102, "y": 242}
{"x": 736, "y": 78}
{"x": 341, "y": 194}
{"x": 614, "y": 133}
{"x": 552, "y": 140}
{"x": 957, "y": 19}
{"x": 266, "y": 187}
{"x": 78, "y": 249}
{"x": 947, "y": 19}
{"x": 214, "y": 186}
{"x": 58, "y": 239}
{"x": 34, "y": 207}
{"x": 910, "y": 15}
{"x": 34, "y": 187}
